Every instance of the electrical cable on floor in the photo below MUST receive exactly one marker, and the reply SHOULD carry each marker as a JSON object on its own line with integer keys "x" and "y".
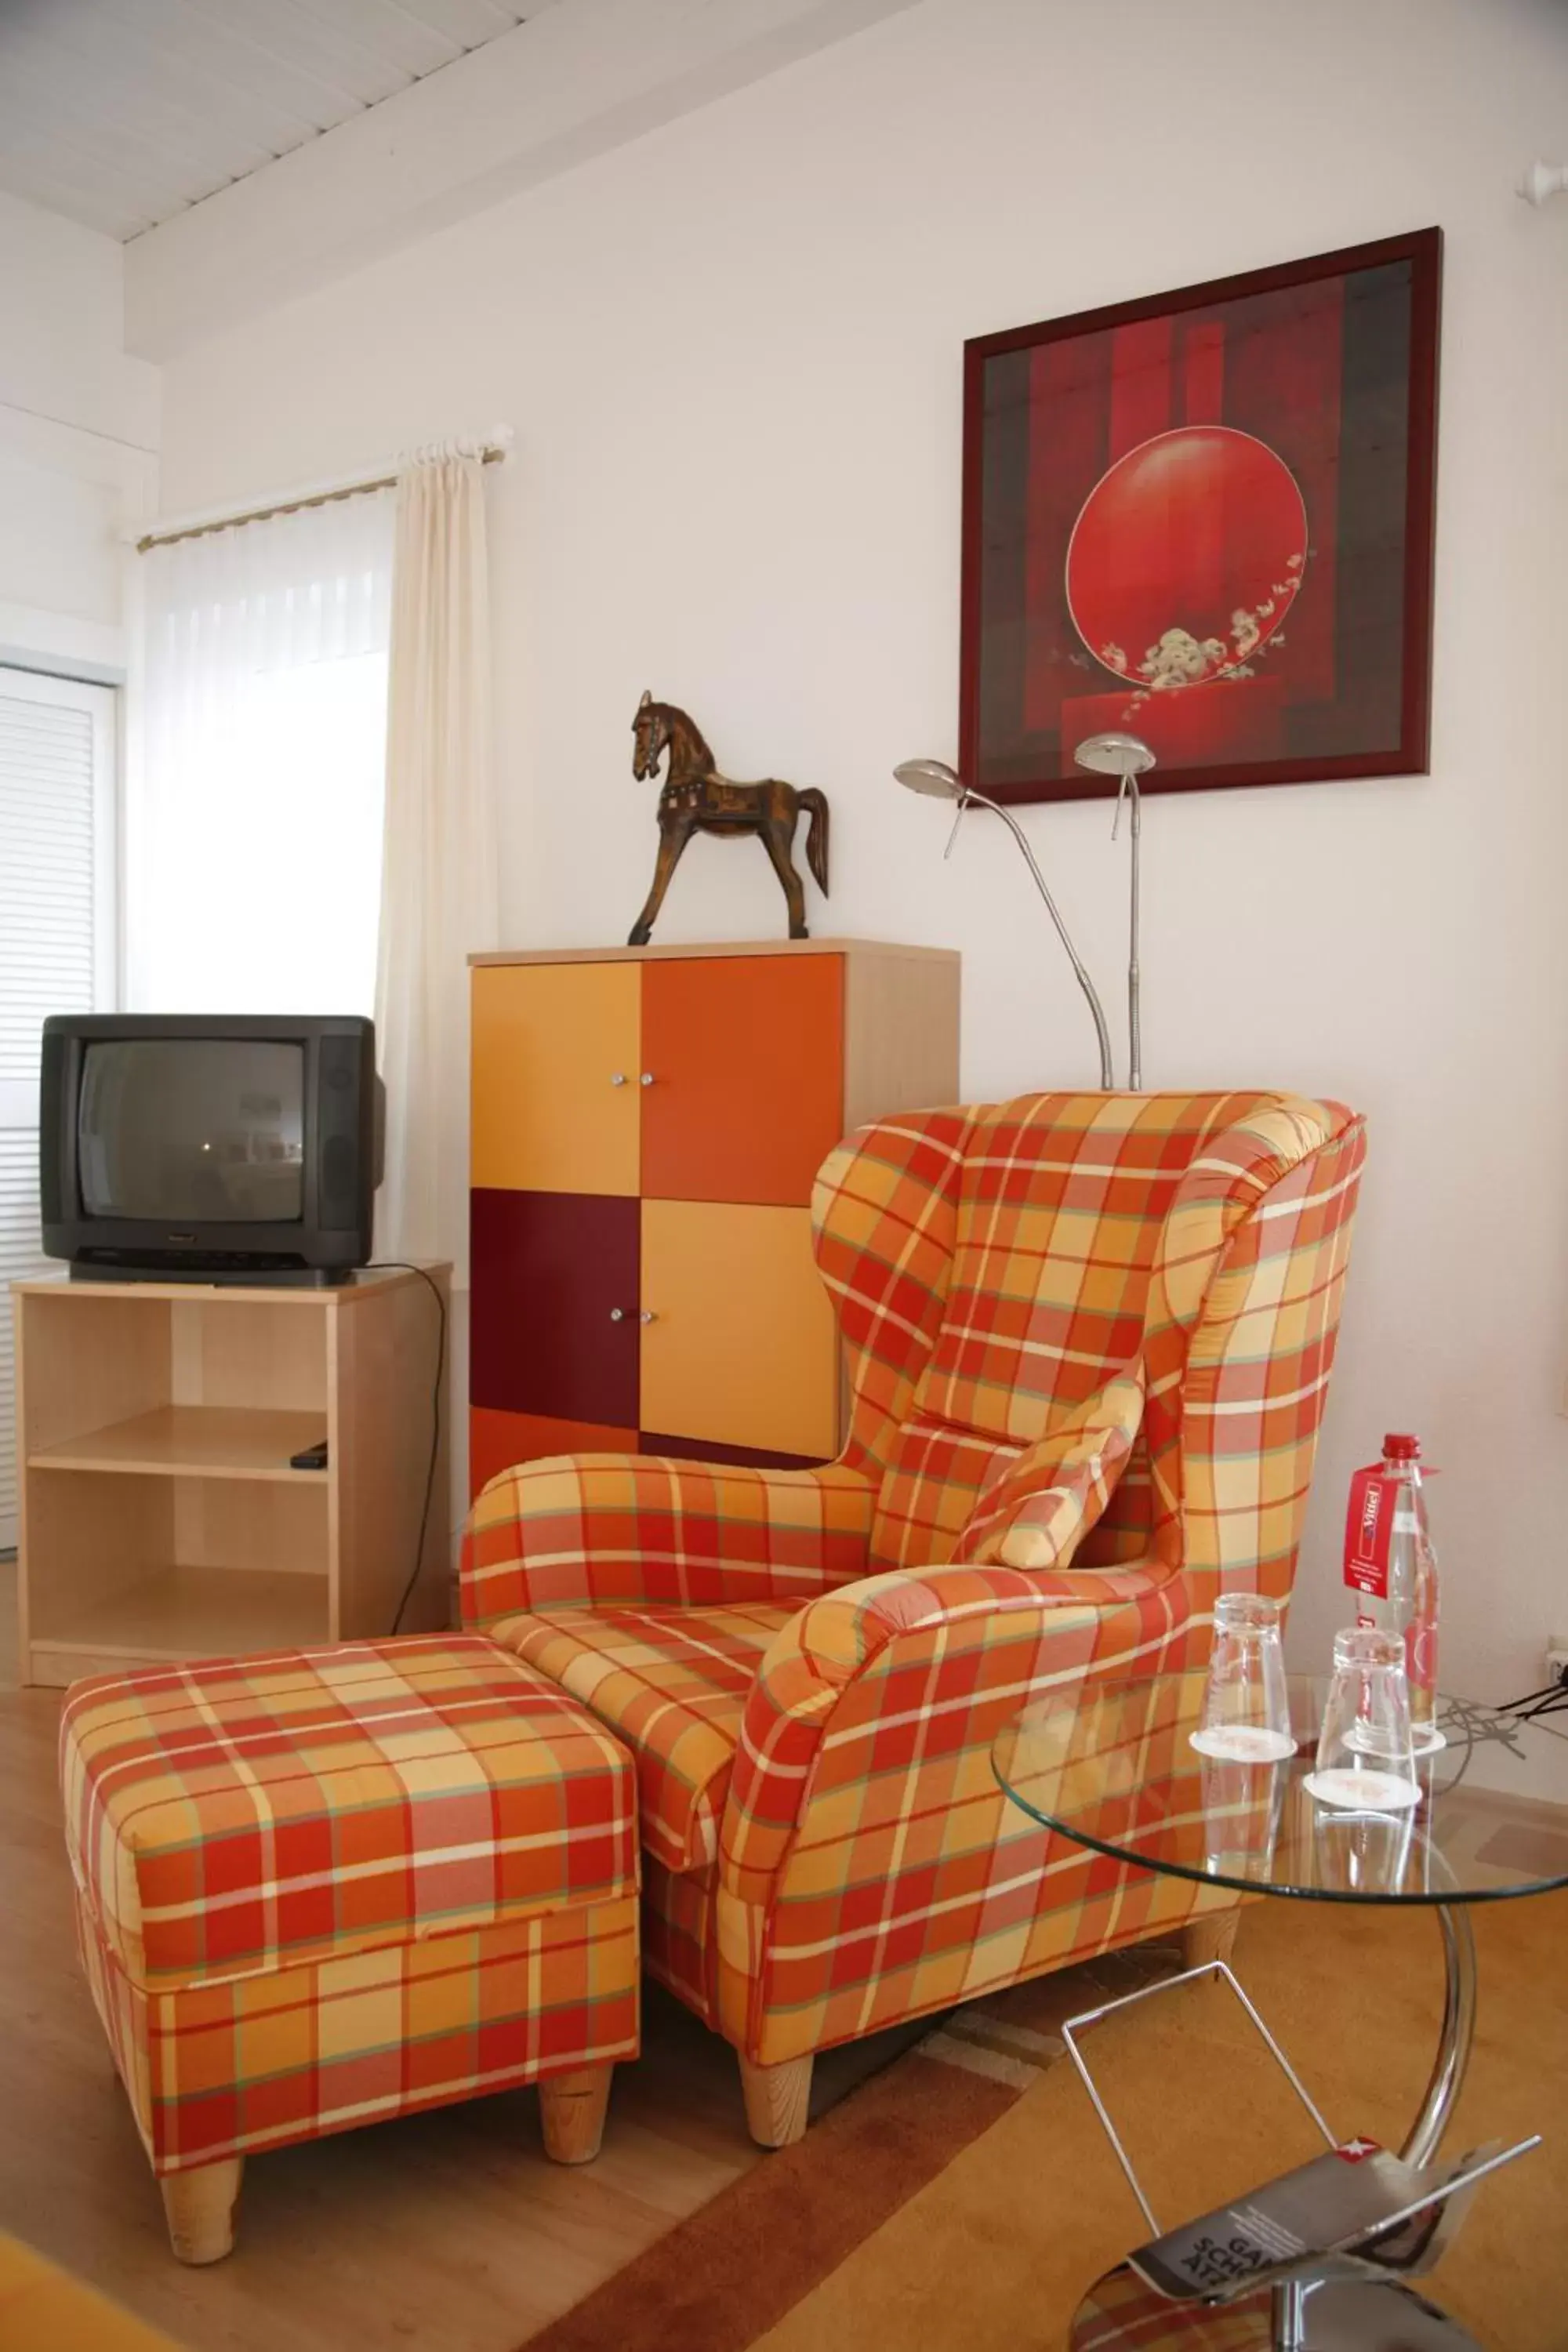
{"x": 405, "y": 1266}
{"x": 1551, "y": 1699}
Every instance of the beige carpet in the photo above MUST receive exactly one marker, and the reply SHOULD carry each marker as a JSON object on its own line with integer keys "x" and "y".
{"x": 964, "y": 2200}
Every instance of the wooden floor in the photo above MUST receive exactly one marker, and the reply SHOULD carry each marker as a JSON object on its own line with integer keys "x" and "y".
{"x": 450, "y": 2229}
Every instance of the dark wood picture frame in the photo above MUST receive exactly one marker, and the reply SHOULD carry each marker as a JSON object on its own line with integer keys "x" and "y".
{"x": 1300, "y": 400}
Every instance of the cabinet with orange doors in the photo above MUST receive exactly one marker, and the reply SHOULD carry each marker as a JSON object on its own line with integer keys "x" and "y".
{"x": 646, "y": 1125}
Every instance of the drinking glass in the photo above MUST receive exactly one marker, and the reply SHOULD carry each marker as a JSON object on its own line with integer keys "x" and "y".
{"x": 1247, "y": 1706}
{"x": 1360, "y": 1852}
{"x": 1366, "y": 1760}
{"x": 1244, "y": 1805}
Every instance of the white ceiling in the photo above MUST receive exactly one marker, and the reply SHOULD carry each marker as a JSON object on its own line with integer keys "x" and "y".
{"x": 121, "y": 113}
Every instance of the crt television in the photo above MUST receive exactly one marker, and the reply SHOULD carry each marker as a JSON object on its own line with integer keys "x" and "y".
{"x": 206, "y": 1149}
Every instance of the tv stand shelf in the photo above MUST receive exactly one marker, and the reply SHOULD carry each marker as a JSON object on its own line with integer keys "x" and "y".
{"x": 194, "y": 1612}
{"x": 194, "y": 1440}
{"x": 160, "y": 1517}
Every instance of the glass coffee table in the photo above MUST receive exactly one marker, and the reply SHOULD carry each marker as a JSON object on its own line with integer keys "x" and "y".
{"x": 1318, "y": 2259}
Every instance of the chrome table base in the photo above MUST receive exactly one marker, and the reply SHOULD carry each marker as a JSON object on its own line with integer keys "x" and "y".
{"x": 1458, "y": 2031}
{"x": 1334, "y": 2316}
{"x": 1331, "y": 2304}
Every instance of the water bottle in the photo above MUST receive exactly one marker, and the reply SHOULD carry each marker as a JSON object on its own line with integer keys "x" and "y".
{"x": 1408, "y": 1605}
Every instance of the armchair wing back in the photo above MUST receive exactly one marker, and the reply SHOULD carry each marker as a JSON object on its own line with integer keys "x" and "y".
{"x": 1088, "y": 1341}
{"x": 997, "y": 1270}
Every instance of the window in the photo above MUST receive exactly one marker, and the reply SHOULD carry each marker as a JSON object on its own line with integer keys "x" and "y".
{"x": 253, "y": 823}
{"x": 57, "y": 945}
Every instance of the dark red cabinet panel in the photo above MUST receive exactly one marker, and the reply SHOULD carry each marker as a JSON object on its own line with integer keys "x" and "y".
{"x": 703, "y": 1449}
{"x": 548, "y": 1271}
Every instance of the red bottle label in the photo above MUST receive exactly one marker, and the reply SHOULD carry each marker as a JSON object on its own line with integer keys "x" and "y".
{"x": 1369, "y": 1530}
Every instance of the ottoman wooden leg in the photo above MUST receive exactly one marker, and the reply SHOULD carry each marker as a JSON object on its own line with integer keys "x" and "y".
{"x": 199, "y": 2207}
{"x": 1210, "y": 1936}
{"x": 572, "y": 2110}
{"x": 777, "y": 2101}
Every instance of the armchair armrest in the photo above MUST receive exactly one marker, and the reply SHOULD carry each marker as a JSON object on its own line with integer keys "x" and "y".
{"x": 585, "y": 1529}
{"x": 878, "y": 1703}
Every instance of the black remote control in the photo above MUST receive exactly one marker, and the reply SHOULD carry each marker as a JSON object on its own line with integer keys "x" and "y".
{"x": 313, "y": 1457}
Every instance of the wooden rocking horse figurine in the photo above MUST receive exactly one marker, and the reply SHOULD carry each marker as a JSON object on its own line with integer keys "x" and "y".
{"x": 697, "y": 799}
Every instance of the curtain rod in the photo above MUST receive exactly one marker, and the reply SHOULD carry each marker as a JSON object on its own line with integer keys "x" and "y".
{"x": 490, "y": 448}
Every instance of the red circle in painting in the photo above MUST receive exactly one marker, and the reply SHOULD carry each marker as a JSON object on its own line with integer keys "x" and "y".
{"x": 1186, "y": 554}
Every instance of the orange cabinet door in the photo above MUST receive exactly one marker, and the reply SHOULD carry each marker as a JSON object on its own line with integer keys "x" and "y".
{"x": 555, "y": 1065}
{"x": 743, "y": 1348}
{"x": 746, "y": 1058}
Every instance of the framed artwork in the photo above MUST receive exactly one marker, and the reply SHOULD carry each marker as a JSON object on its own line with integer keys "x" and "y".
{"x": 1207, "y": 518}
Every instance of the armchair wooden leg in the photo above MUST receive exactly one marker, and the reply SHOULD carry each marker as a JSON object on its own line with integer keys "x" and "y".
{"x": 199, "y": 2206}
{"x": 1210, "y": 1936}
{"x": 777, "y": 2100}
{"x": 572, "y": 2112}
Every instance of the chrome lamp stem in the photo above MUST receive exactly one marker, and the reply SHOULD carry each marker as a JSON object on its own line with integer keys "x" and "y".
{"x": 1126, "y": 757}
{"x": 1134, "y": 1027}
{"x": 1084, "y": 982}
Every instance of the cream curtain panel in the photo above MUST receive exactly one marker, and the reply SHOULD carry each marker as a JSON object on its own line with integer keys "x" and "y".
{"x": 438, "y": 888}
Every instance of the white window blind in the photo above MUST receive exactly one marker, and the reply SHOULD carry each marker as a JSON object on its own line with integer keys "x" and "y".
{"x": 57, "y": 946}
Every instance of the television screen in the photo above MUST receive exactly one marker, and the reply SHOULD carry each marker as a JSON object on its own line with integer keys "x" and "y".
{"x": 193, "y": 1130}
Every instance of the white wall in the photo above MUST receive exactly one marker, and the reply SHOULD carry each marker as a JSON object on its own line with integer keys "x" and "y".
{"x": 731, "y": 351}
{"x": 78, "y": 423}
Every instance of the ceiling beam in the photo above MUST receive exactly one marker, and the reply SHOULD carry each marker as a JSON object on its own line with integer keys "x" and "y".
{"x": 575, "y": 79}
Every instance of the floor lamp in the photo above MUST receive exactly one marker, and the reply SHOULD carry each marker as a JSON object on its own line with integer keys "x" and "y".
{"x": 1125, "y": 756}
{"x": 935, "y": 778}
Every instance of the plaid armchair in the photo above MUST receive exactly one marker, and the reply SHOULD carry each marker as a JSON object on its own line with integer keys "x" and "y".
{"x": 1088, "y": 1339}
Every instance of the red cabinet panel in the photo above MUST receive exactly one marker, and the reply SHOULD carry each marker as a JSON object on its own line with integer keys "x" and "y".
{"x": 746, "y": 1056}
{"x": 498, "y": 1441}
{"x": 555, "y": 1326}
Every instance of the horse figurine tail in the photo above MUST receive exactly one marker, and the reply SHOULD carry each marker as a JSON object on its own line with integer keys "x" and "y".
{"x": 815, "y": 835}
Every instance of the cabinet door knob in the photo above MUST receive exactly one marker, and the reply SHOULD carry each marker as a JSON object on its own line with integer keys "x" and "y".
{"x": 647, "y": 1078}
{"x": 617, "y": 1077}
{"x": 646, "y": 1314}
{"x": 617, "y": 1314}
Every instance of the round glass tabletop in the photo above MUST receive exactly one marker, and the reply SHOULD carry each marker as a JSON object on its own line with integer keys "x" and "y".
{"x": 1113, "y": 1767}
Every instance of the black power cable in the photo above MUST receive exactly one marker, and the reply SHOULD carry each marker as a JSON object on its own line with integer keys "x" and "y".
{"x": 1551, "y": 1699}
{"x": 405, "y": 1266}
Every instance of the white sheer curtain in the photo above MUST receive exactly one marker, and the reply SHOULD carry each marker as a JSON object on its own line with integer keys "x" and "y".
{"x": 439, "y": 895}
{"x": 255, "y": 809}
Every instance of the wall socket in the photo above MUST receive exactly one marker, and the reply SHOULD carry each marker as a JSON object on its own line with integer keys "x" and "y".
{"x": 1557, "y": 1657}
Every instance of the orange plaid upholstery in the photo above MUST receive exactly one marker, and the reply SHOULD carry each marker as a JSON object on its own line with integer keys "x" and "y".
{"x": 1088, "y": 1340}
{"x": 321, "y": 1886}
{"x": 594, "y": 1530}
{"x": 906, "y": 1881}
{"x": 995, "y": 1267}
{"x": 672, "y": 1682}
{"x": 679, "y": 1934}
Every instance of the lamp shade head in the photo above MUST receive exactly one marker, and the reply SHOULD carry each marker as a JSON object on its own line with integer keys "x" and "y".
{"x": 1114, "y": 755}
{"x": 933, "y": 777}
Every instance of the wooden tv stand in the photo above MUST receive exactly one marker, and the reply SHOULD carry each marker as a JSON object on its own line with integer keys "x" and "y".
{"x": 160, "y": 1518}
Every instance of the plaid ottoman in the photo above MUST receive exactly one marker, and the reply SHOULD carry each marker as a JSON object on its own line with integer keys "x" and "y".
{"x": 321, "y": 1887}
